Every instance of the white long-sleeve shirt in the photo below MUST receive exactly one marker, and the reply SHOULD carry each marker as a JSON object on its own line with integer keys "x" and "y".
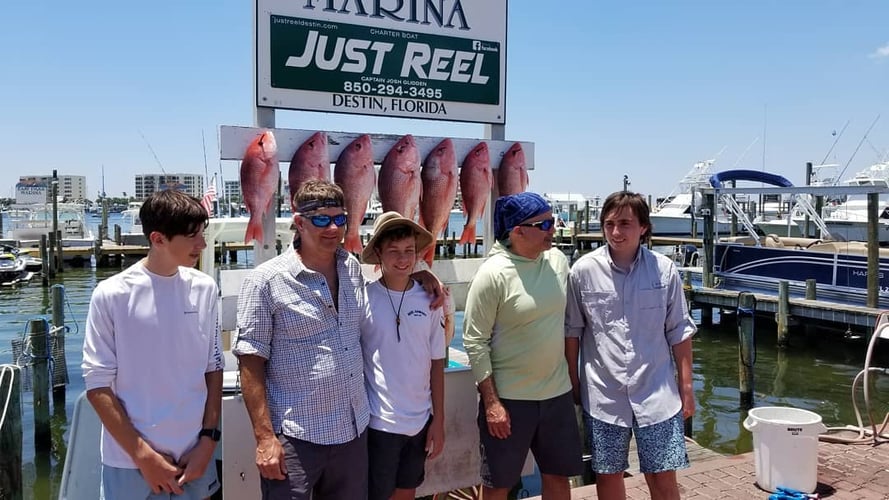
{"x": 151, "y": 339}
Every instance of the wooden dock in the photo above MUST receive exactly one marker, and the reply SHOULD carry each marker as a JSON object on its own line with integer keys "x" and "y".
{"x": 110, "y": 254}
{"x": 844, "y": 471}
{"x": 799, "y": 309}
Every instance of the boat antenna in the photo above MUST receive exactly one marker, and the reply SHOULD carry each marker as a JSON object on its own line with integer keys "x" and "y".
{"x": 765, "y": 122}
{"x": 152, "y": 152}
{"x": 204, "y": 144}
{"x": 835, "y": 141}
{"x": 863, "y": 138}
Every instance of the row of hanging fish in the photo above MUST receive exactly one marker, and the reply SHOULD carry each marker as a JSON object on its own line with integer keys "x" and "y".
{"x": 407, "y": 184}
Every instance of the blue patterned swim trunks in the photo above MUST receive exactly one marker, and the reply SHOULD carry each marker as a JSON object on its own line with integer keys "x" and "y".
{"x": 661, "y": 447}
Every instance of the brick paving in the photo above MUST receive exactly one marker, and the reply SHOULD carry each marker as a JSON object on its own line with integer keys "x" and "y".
{"x": 844, "y": 472}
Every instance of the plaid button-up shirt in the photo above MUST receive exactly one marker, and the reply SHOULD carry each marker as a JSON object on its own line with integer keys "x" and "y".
{"x": 314, "y": 376}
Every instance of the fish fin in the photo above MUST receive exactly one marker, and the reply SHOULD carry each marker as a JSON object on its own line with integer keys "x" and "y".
{"x": 429, "y": 255}
{"x": 352, "y": 243}
{"x": 254, "y": 230}
{"x": 468, "y": 235}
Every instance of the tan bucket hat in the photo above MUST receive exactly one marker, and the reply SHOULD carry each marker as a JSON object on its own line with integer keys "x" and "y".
{"x": 386, "y": 222}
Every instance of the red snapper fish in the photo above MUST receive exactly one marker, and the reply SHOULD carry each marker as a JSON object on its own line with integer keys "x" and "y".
{"x": 440, "y": 179}
{"x": 259, "y": 181}
{"x": 310, "y": 161}
{"x": 400, "y": 185}
{"x": 354, "y": 173}
{"x": 476, "y": 181}
{"x": 512, "y": 176}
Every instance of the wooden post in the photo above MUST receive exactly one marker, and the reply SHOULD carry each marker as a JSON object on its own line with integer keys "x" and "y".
{"x": 707, "y": 213}
{"x": 873, "y": 250}
{"x": 60, "y": 364}
{"x": 39, "y": 330}
{"x": 59, "y": 254}
{"x": 44, "y": 260}
{"x": 706, "y": 316}
{"x": 806, "y": 224}
{"x": 686, "y": 287}
{"x": 811, "y": 291}
{"x": 118, "y": 238}
{"x": 11, "y": 433}
{"x": 783, "y": 311}
{"x": 586, "y": 216}
{"x": 819, "y": 206}
{"x": 746, "y": 346}
{"x": 693, "y": 210}
{"x": 50, "y": 255}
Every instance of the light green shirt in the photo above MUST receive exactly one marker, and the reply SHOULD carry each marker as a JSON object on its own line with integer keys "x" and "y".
{"x": 514, "y": 323}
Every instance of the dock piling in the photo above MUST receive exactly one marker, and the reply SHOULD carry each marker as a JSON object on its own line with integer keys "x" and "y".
{"x": 783, "y": 314}
{"x": 39, "y": 333}
{"x": 811, "y": 291}
{"x": 60, "y": 364}
{"x": 873, "y": 250}
{"x": 11, "y": 433}
{"x": 746, "y": 347}
{"x": 44, "y": 261}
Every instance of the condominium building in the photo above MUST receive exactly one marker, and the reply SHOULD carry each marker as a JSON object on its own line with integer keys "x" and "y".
{"x": 146, "y": 184}
{"x": 71, "y": 187}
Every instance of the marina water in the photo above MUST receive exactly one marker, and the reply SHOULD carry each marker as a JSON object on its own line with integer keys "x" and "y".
{"x": 815, "y": 373}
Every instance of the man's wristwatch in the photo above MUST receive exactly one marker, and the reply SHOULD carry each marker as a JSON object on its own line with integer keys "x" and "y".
{"x": 213, "y": 434}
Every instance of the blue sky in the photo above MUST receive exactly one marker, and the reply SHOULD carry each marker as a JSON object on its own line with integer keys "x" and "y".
{"x": 603, "y": 89}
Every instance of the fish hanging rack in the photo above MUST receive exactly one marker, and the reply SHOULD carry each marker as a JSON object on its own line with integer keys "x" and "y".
{"x": 234, "y": 141}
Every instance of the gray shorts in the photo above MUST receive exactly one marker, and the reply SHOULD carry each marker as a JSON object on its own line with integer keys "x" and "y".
{"x": 661, "y": 446}
{"x": 128, "y": 484}
{"x": 320, "y": 472}
{"x": 547, "y": 428}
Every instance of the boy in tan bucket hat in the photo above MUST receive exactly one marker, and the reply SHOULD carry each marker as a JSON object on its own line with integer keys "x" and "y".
{"x": 404, "y": 349}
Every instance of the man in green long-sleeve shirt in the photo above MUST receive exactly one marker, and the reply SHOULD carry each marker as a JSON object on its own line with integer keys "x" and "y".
{"x": 514, "y": 336}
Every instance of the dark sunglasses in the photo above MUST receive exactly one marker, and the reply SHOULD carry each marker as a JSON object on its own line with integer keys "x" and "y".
{"x": 322, "y": 221}
{"x": 543, "y": 225}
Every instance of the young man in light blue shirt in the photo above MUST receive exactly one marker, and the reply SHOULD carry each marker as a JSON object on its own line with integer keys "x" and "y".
{"x": 627, "y": 318}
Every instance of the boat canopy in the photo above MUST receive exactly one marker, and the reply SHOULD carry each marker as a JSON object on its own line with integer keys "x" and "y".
{"x": 717, "y": 179}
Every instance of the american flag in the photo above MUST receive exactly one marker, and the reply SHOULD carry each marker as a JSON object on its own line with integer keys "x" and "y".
{"x": 209, "y": 196}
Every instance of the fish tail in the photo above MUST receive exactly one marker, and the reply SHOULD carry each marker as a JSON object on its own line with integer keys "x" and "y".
{"x": 468, "y": 235}
{"x": 429, "y": 255}
{"x": 254, "y": 230}
{"x": 352, "y": 243}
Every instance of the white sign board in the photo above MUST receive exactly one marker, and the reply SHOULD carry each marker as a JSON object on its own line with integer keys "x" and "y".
{"x": 27, "y": 194}
{"x": 431, "y": 59}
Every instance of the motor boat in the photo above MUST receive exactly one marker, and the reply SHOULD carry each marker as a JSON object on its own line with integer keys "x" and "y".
{"x": 13, "y": 266}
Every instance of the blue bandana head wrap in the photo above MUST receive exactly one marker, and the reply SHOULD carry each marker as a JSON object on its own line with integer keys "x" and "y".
{"x": 512, "y": 210}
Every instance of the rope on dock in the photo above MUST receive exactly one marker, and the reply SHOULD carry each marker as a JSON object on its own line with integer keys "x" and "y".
{"x": 23, "y": 356}
{"x": 4, "y": 369}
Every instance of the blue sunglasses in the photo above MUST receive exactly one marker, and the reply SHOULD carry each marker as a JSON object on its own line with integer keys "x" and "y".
{"x": 543, "y": 225}
{"x": 322, "y": 221}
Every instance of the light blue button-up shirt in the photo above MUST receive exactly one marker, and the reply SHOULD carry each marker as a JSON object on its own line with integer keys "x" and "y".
{"x": 314, "y": 373}
{"x": 627, "y": 322}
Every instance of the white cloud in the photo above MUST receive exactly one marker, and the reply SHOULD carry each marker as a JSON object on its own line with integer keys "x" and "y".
{"x": 881, "y": 52}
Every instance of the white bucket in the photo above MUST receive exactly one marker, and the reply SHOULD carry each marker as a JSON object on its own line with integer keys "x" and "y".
{"x": 785, "y": 447}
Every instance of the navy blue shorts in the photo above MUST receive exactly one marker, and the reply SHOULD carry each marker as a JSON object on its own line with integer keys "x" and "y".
{"x": 547, "y": 428}
{"x": 395, "y": 461}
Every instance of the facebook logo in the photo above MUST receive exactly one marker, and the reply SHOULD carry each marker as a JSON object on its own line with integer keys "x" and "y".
{"x": 476, "y": 45}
